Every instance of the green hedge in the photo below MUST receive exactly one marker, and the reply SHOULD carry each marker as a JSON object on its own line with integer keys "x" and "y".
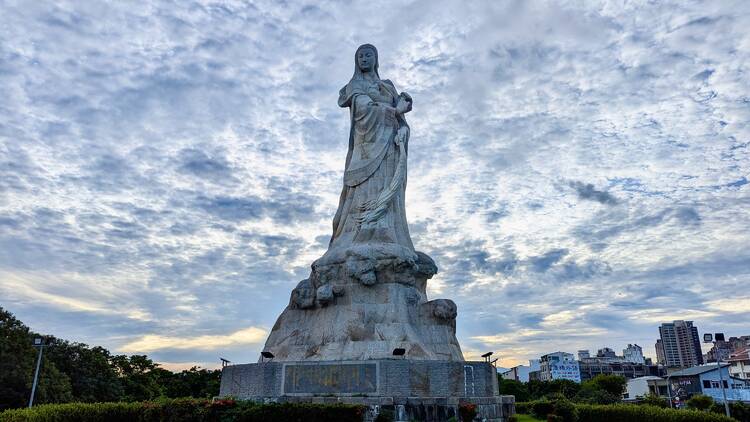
{"x": 634, "y": 413}
{"x": 185, "y": 410}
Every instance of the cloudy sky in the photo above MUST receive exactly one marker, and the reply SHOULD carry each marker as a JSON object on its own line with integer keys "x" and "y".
{"x": 170, "y": 169}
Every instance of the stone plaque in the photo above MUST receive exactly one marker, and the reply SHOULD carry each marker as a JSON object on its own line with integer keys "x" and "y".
{"x": 328, "y": 378}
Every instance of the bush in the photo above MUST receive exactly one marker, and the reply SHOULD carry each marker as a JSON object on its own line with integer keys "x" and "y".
{"x": 633, "y": 413}
{"x": 523, "y": 408}
{"x": 554, "y": 418}
{"x": 566, "y": 410}
{"x": 385, "y": 415}
{"x": 188, "y": 410}
{"x": 467, "y": 411}
{"x": 700, "y": 402}
{"x": 739, "y": 410}
{"x": 541, "y": 408}
{"x": 654, "y": 400}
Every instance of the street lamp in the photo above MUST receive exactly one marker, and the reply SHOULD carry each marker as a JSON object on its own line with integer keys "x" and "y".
{"x": 38, "y": 342}
{"x": 708, "y": 338}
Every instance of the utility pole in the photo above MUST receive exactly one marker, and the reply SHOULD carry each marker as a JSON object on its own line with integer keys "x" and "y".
{"x": 38, "y": 342}
{"x": 715, "y": 339}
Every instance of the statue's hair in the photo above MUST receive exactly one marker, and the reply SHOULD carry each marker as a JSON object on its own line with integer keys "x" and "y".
{"x": 357, "y": 71}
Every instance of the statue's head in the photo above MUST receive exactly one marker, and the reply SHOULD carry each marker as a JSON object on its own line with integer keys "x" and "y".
{"x": 366, "y": 59}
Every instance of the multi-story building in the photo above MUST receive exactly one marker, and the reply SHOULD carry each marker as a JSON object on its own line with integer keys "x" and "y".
{"x": 559, "y": 365}
{"x": 633, "y": 353}
{"x": 660, "y": 358}
{"x": 606, "y": 352}
{"x": 720, "y": 350}
{"x": 740, "y": 364}
{"x": 592, "y": 367}
{"x": 583, "y": 354}
{"x": 680, "y": 344}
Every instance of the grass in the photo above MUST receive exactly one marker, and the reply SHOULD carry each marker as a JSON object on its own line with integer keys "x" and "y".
{"x": 527, "y": 418}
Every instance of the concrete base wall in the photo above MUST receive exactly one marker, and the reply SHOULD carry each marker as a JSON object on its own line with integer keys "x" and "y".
{"x": 429, "y": 391}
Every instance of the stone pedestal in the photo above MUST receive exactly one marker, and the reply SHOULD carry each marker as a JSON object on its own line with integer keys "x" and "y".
{"x": 429, "y": 391}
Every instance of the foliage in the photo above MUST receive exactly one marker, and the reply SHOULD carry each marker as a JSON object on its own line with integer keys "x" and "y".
{"x": 187, "y": 410}
{"x": 541, "y": 389}
{"x": 739, "y": 411}
{"x": 634, "y": 413}
{"x": 514, "y": 388}
{"x": 700, "y": 402}
{"x": 542, "y": 408}
{"x": 385, "y": 415}
{"x": 77, "y": 372}
{"x": 566, "y": 410}
{"x": 602, "y": 389}
{"x": 523, "y": 408}
{"x": 654, "y": 400}
{"x": 17, "y": 364}
{"x": 467, "y": 411}
{"x": 554, "y": 418}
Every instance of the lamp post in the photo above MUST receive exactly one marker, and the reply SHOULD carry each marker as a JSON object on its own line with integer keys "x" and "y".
{"x": 710, "y": 339}
{"x": 38, "y": 342}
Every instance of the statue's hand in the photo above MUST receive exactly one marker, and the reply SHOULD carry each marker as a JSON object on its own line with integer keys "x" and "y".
{"x": 402, "y": 106}
{"x": 401, "y": 135}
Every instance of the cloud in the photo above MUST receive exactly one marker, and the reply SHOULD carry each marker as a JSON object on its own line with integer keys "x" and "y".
{"x": 164, "y": 167}
{"x": 587, "y": 191}
{"x": 153, "y": 342}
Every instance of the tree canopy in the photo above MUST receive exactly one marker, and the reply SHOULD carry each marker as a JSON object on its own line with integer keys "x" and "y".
{"x": 77, "y": 372}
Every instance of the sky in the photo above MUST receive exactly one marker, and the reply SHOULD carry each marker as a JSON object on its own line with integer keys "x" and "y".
{"x": 578, "y": 170}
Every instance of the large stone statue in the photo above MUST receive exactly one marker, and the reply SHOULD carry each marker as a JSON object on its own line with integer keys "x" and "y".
{"x": 366, "y": 296}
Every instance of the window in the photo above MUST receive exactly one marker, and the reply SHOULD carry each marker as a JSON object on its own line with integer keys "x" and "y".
{"x": 725, "y": 384}
{"x": 714, "y": 384}
{"x": 706, "y": 384}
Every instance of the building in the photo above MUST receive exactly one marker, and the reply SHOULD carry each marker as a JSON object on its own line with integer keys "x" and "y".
{"x": 559, "y": 365}
{"x": 739, "y": 343}
{"x": 606, "y": 352}
{"x": 680, "y": 344}
{"x": 660, "y": 358}
{"x": 705, "y": 379}
{"x": 720, "y": 350}
{"x": 740, "y": 364}
{"x": 640, "y": 387}
{"x": 592, "y": 367}
{"x": 517, "y": 373}
{"x": 633, "y": 353}
{"x": 583, "y": 354}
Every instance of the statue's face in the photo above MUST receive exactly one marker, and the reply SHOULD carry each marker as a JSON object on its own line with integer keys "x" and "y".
{"x": 366, "y": 59}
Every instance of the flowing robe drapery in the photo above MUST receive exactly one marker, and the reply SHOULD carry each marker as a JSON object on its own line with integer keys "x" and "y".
{"x": 371, "y": 163}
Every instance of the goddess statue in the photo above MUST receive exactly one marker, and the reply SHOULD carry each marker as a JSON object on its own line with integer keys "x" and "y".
{"x": 366, "y": 296}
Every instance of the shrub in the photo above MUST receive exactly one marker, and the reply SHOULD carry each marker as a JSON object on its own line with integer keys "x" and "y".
{"x": 554, "y": 418}
{"x": 566, "y": 410}
{"x": 511, "y": 418}
{"x": 700, "y": 402}
{"x": 188, "y": 410}
{"x": 541, "y": 408}
{"x": 739, "y": 410}
{"x": 467, "y": 411}
{"x": 385, "y": 415}
{"x": 633, "y": 413}
{"x": 654, "y": 400}
{"x": 523, "y": 407}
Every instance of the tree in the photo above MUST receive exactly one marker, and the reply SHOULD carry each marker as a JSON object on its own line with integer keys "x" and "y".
{"x": 654, "y": 400}
{"x": 514, "y": 388}
{"x": 17, "y": 366}
{"x": 700, "y": 402}
{"x": 138, "y": 377}
{"x": 92, "y": 377}
{"x": 602, "y": 389}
